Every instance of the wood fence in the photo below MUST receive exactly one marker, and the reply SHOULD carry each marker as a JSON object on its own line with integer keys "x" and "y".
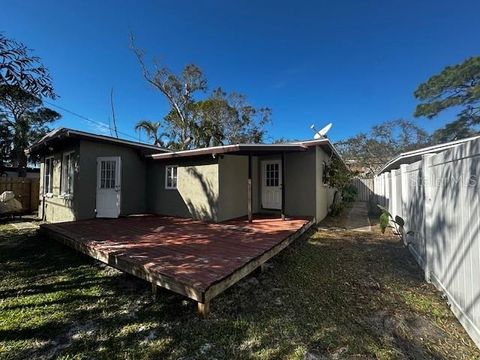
{"x": 26, "y": 191}
{"x": 364, "y": 188}
{"x": 439, "y": 198}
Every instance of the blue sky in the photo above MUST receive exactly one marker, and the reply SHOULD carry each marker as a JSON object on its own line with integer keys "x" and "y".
{"x": 354, "y": 63}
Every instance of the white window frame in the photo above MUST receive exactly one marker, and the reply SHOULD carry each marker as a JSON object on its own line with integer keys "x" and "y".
{"x": 107, "y": 180}
{"x": 48, "y": 192}
{"x": 66, "y": 174}
{"x": 175, "y": 186}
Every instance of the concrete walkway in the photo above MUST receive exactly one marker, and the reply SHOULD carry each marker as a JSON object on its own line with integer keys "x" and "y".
{"x": 357, "y": 217}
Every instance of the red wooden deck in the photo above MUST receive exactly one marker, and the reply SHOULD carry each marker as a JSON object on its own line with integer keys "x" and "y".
{"x": 184, "y": 255}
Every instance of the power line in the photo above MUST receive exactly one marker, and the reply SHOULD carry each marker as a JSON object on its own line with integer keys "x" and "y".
{"x": 98, "y": 123}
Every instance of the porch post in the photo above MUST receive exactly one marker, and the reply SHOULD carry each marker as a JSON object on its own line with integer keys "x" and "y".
{"x": 249, "y": 195}
{"x": 283, "y": 185}
{"x": 203, "y": 309}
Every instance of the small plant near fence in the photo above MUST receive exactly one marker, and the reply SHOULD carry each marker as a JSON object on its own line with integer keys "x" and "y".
{"x": 339, "y": 177}
{"x": 397, "y": 224}
{"x": 349, "y": 193}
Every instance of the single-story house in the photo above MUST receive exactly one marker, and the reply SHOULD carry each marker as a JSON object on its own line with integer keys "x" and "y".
{"x": 84, "y": 175}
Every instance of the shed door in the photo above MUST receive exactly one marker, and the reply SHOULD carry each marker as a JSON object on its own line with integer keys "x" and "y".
{"x": 271, "y": 184}
{"x": 108, "y": 186}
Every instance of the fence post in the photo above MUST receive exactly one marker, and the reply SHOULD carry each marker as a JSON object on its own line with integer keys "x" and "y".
{"x": 427, "y": 184}
{"x": 384, "y": 190}
{"x": 404, "y": 198}
{"x": 393, "y": 193}
{"x": 387, "y": 190}
{"x": 34, "y": 195}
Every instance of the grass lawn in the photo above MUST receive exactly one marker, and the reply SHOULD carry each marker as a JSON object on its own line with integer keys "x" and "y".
{"x": 330, "y": 295}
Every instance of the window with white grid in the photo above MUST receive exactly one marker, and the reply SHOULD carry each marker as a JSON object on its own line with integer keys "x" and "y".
{"x": 48, "y": 176}
{"x": 171, "y": 177}
{"x": 272, "y": 174}
{"x": 107, "y": 174}
{"x": 68, "y": 170}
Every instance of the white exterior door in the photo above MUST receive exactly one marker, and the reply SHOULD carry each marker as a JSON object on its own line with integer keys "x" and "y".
{"x": 272, "y": 184}
{"x": 108, "y": 186}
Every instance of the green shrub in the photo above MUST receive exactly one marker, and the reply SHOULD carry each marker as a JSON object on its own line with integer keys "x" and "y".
{"x": 349, "y": 193}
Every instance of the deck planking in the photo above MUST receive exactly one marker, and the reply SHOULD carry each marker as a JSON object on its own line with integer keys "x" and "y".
{"x": 194, "y": 258}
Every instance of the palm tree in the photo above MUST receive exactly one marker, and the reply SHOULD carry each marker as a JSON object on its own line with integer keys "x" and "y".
{"x": 152, "y": 129}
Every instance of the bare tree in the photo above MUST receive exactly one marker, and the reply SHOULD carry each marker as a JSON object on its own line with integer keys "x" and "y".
{"x": 177, "y": 89}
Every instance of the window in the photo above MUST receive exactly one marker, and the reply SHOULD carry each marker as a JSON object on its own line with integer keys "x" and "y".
{"x": 272, "y": 173}
{"x": 107, "y": 174}
{"x": 171, "y": 177}
{"x": 68, "y": 169}
{"x": 48, "y": 176}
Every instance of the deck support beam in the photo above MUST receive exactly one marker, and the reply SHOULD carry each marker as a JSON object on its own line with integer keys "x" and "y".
{"x": 283, "y": 185}
{"x": 250, "y": 195}
{"x": 203, "y": 309}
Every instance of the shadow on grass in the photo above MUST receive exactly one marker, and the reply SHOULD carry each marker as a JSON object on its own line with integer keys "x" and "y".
{"x": 335, "y": 294}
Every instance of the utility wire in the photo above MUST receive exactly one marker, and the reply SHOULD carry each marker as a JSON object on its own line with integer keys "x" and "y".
{"x": 98, "y": 123}
{"x": 114, "y": 119}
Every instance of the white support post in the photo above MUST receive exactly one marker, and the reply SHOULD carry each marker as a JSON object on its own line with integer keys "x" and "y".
{"x": 404, "y": 198}
{"x": 404, "y": 190}
{"x": 428, "y": 184}
{"x": 393, "y": 193}
{"x": 384, "y": 189}
{"x": 387, "y": 190}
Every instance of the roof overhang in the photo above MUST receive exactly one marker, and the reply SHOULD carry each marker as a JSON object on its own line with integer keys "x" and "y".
{"x": 245, "y": 149}
{"x": 61, "y": 134}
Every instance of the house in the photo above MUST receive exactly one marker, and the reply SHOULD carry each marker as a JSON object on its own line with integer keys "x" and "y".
{"x": 85, "y": 175}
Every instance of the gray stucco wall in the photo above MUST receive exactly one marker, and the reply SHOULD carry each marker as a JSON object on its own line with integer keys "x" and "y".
{"x": 133, "y": 178}
{"x": 208, "y": 188}
{"x": 324, "y": 194}
{"x": 197, "y": 192}
{"x": 300, "y": 177}
{"x": 233, "y": 186}
{"x": 305, "y": 193}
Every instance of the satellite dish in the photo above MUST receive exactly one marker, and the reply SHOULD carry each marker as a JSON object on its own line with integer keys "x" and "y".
{"x": 321, "y": 134}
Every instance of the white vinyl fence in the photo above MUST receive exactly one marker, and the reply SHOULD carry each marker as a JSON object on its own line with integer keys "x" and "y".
{"x": 439, "y": 199}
